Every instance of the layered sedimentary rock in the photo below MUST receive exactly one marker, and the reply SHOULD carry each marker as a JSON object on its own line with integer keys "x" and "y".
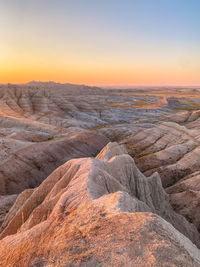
{"x": 26, "y": 164}
{"x": 189, "y": 118}
{"x": 97, "y": 212}
{"x": 173, "y": 150}
{"x": 45, "y": 124}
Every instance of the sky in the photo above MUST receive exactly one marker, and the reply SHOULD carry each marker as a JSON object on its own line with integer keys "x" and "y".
{"x": 107, "y": 42}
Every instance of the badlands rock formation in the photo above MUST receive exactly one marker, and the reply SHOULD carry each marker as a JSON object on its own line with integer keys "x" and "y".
{"x": 173, "y": 150}
{"x": 45, "y": 124}
{"x": 170, "y": 149}
{"x": 37, "y": 135}
{"x": 97, "y": 212}
{"x": 26, "y": 164}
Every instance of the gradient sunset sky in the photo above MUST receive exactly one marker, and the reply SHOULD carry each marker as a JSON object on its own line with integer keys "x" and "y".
{"x": 100, "y": 42}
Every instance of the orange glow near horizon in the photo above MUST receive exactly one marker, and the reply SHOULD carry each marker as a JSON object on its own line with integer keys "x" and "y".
{"x": 147, "y": 70}
{"x": 99, "y": 76}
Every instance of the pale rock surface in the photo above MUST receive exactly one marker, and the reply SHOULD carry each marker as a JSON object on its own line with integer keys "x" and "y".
{"x": 97, "y": 212}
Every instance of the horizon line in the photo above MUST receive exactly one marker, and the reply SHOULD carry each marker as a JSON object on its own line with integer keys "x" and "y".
{"x": 105, "y": 85}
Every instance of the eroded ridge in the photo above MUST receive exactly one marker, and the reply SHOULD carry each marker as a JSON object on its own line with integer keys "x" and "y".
{"x": 97, "y": 212}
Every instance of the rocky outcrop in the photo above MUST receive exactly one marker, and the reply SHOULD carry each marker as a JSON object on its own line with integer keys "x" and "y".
{"x": 97, "y": 212}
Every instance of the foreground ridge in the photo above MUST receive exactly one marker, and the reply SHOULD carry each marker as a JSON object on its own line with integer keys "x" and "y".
{"x": 97, "y": 212}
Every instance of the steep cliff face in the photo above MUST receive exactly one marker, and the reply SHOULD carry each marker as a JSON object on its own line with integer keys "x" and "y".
{"x": 97, "y": 212}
